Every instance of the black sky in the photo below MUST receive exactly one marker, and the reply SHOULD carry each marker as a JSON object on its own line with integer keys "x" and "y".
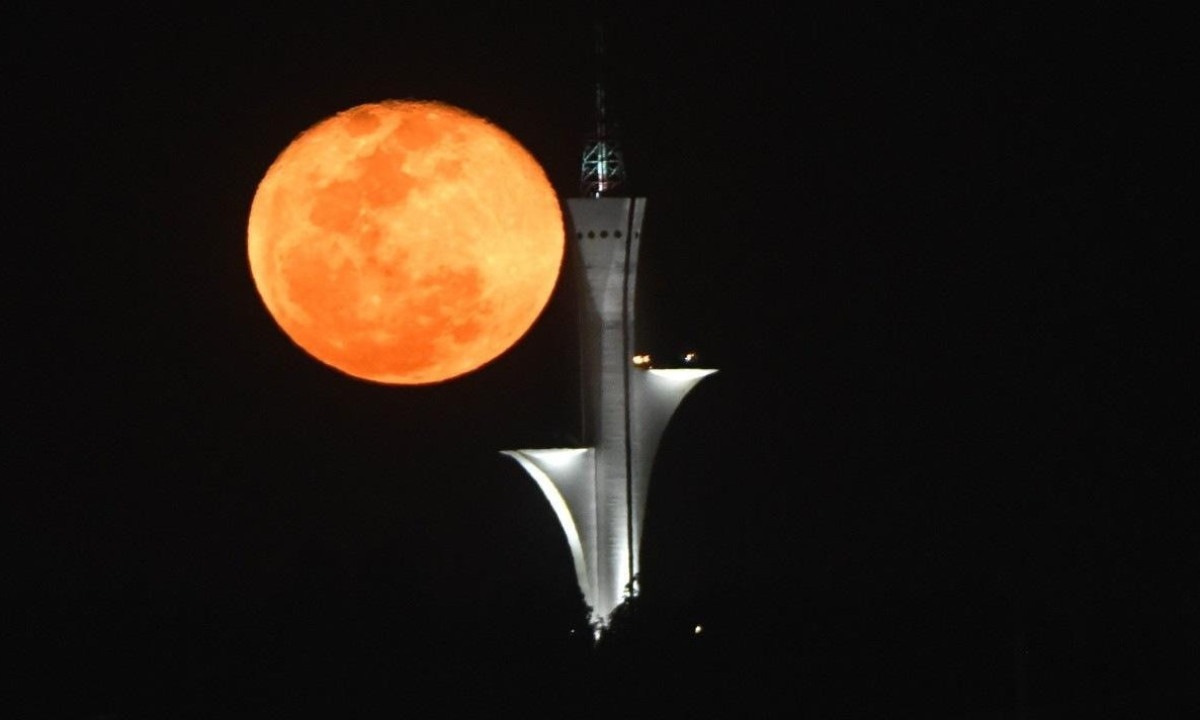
{"x": 937, "y": 254}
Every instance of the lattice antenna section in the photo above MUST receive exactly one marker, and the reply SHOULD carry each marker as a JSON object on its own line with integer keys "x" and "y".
{"x": 603, "y": 167}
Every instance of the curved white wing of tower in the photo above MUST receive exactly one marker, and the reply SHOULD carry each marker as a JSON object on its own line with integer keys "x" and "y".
{"x": 566, "y": 476}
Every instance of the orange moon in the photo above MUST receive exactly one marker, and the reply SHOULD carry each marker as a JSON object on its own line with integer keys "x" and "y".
{"x": 405, "y": 242}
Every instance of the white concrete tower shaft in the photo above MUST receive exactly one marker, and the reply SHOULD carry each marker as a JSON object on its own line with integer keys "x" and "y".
{"x": 607, "y": 235}
{"x": 599, "y": 491}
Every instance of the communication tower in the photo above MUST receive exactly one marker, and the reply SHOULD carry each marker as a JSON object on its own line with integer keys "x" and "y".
{"x": 598, "y": 491}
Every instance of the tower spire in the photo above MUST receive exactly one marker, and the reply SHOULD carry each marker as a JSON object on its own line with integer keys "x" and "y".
{"x": 603, "y": 168}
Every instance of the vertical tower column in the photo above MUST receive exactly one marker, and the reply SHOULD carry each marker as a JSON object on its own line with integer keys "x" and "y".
{"x": 607, "y": 237}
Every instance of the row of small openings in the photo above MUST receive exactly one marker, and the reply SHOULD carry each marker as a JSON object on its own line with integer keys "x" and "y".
{"x": 603, "y": 233}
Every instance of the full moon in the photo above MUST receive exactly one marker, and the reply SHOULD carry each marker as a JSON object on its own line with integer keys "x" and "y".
{"x": 405, "y": 242}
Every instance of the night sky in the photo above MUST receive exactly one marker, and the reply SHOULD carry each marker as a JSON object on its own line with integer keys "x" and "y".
{"x": 938, "y": 255}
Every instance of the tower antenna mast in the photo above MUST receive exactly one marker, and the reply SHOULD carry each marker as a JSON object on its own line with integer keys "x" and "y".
{"x": 603, "y": 168}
